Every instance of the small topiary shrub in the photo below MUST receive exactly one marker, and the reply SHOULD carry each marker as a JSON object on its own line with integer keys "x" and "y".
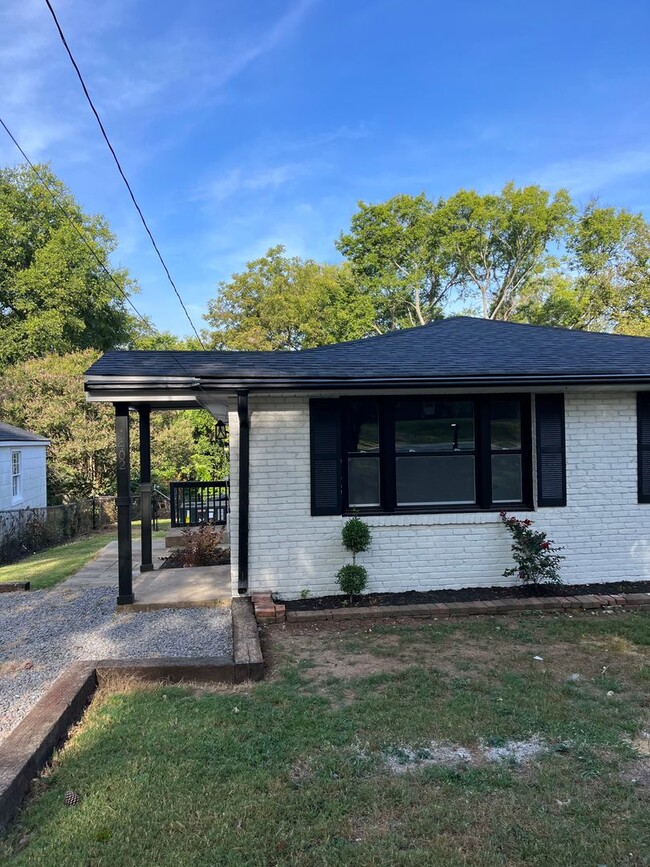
{"x": 537, "y": 557}
{"x": 356, "y": 537}
{"x": 352, "y": 579}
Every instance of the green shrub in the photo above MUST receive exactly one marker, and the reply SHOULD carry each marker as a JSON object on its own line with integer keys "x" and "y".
{"x": 352, "y": 579}
{"x": 356, "y": 537}
{"x": 537, "y": 557}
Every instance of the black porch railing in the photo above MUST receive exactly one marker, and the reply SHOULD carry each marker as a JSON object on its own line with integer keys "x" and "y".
{"x": 195, "y": 503}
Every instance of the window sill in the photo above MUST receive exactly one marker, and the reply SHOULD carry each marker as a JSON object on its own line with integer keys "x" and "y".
{"x": 430, "y": 519}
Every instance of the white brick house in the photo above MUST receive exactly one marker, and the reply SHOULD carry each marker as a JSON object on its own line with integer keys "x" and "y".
{"x": 427, "y": 434}
{"x": 23, "y": 455}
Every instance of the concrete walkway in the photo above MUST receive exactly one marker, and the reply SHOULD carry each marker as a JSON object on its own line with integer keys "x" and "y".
{"x": 101, "y": 571}
{"x": 190, "y": 587}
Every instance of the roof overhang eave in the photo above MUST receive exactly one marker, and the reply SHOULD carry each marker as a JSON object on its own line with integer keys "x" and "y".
{"x": 177, "y": 389}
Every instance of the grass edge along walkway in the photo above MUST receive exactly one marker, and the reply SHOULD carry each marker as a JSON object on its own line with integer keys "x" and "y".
{"x": 49, "y": 567}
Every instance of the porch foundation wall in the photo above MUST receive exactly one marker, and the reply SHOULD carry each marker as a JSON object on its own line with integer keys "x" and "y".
{"x": 605, "y": 532}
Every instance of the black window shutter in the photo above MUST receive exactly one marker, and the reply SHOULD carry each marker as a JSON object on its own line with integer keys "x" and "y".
{"x": 551, "y": 458}
{"x": 325, "y": 433}
{"x": 643, "y": 444}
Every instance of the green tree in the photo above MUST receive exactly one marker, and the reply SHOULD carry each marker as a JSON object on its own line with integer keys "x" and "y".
{"x": 602, "y": 282}
{"x": 396, "y": 259}
{"x": 54, "y": 295}
{"x": 280, "y": 302}
{"x": 46, "y": 395}
{"x": 422, "y": 259}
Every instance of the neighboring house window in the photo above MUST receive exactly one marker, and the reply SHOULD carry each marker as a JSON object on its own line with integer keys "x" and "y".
{"x": 16, "y": 480}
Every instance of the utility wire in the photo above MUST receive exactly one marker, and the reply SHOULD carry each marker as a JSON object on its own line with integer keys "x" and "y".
{"x": 75, "y": 226}
{"x": 121, "y": 171}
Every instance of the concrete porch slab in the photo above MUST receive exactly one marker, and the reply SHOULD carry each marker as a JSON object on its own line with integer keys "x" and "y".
{"x": 101, "y": 571}
{"x": 181, "y": 588}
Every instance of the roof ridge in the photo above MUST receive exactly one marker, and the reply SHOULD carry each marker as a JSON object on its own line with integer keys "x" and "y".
{"x": 395, "y": 332}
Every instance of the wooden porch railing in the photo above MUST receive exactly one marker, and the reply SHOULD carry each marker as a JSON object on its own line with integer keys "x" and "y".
{"x": 195, "y": 503}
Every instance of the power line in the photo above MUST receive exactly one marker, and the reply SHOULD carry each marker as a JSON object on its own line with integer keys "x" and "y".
{"x": 121, "y": 171}
{"x": 75, "y": 226}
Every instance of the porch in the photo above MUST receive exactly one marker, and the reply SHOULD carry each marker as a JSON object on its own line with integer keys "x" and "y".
{"x": 160, "y": 587}
{"x": 144, "y": 578}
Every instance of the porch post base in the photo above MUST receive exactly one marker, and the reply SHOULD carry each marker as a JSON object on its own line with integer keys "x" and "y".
{"x": 129, "y": 599}
{"x": 146, "y": 567}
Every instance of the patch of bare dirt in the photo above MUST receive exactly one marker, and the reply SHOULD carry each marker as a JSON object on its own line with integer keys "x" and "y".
{"x": 8, "y": 669}
{"x": 348, "y": 651}
{"x": 404, "y": 759}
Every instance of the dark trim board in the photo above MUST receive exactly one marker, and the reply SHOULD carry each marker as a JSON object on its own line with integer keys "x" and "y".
{"x": 643, "y": 446}
{"x": 134, "y": 393}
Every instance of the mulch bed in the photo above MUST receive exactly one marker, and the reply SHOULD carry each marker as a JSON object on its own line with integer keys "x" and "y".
{"x": 175, "y": 560}
{"x": 468, "y": 594}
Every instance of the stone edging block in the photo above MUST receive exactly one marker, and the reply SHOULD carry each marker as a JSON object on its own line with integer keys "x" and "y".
{"x": 515, "y": 605}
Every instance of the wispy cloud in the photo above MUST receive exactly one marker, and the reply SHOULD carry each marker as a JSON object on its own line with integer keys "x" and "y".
{"x": 592, "y": 174}
{"x": 187, "y": 66}
{"x": 265, "y": 42}
{"x": 238, "y": 180}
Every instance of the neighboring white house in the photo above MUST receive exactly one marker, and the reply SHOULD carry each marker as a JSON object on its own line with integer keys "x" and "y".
{"x": 427, "y": 433}
{"x": 23, "y": 482}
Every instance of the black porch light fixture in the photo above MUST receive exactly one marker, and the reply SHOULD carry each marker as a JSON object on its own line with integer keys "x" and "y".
{"x": 220, "y": 431}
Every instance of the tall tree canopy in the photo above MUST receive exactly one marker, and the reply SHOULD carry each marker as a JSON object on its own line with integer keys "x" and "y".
{"x": 54, "y": 294}
{"x": 46, "y": 395}
{"x": 523, "y": 254}
{"x": 419, "y": 259}
{"x": 602, "y": 282}
{"x": 280, "y": 302}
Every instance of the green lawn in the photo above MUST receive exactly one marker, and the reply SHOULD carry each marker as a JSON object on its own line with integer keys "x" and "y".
{"x": 328, "y": 762}
{"x": 53, "y": 565}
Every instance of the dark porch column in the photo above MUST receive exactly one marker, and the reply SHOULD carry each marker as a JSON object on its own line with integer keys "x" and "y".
{"x": 243, "y": 492}
{"x": 124, "y": 547}
{"x": 146, "y": 559}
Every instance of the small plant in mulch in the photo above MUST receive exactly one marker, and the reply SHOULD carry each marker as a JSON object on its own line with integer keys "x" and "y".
{"x": 356, "y": 537}
{"x": 537, "y": 557}
{"x": 202, "y": 546}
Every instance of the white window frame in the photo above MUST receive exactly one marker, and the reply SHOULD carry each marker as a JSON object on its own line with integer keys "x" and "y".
{"x": 16, "y": 475}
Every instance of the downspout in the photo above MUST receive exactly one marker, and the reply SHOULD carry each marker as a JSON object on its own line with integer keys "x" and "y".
{"x": 244, "y": 475}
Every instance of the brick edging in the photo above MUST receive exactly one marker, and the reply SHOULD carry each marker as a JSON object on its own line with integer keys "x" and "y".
{"x": 267, "y": 611}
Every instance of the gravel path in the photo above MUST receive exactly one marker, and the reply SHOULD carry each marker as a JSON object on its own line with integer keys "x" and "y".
{"x": 42, "y": 631}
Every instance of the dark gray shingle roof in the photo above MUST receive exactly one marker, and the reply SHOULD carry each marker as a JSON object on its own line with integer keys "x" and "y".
{"x": 456, "y": 347}
{"x": 9, "y": 433}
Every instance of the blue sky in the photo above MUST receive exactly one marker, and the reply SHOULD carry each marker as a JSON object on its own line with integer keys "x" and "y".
{"x": 247, "y": 123}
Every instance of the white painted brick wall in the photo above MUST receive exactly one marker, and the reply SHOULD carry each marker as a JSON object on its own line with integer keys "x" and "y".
{"x": 604, "y": 531}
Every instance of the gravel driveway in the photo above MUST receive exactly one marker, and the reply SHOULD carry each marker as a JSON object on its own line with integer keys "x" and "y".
{"x": 42, "y": 631}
